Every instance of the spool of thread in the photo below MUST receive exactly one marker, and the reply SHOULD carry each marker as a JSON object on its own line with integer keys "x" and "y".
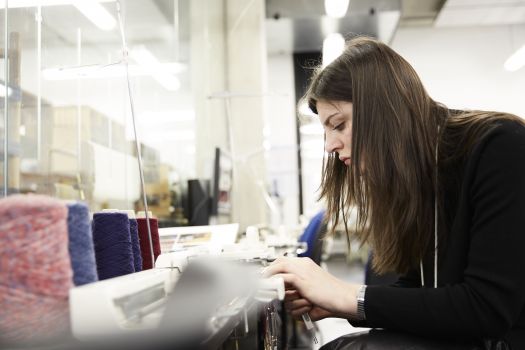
{"x": 135, "y": 243}
{"x": 81, "y": 250}
{"x": 112, "y": 241}
{"x": 144, "y": 241}
{"x": 133, "y": 232}
{"x": 35, "y": 268}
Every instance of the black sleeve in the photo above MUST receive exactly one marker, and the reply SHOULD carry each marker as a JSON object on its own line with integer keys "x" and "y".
{"x": 492, "y": 295}
{"x": 410, "y": 280}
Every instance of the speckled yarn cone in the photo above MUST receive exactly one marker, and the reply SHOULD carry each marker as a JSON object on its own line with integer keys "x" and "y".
{"x": 135, "y": 244}
{"x": 81, "y": 250}
{"x": 35, "y": 268}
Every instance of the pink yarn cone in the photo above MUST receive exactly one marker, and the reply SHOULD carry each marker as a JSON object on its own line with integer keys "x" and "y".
{"x": 35, "y": 268}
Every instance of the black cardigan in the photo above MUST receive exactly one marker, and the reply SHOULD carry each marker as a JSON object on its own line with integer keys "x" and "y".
{"x": 481, "y": 277}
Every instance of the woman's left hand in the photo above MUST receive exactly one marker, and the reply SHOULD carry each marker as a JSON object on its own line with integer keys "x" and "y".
{"x": 316, "y": 285}
{"x": 297, "y": 306}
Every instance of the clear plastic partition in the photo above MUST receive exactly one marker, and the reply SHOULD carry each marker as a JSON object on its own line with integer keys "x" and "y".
{"x": 3, "y": 101}
{"x": 65, "y": 119}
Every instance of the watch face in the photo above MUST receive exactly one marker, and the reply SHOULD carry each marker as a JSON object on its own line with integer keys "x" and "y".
{"x": 361, "y": 292}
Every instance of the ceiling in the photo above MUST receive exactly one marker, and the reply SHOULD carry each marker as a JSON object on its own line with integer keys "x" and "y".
{"x": 417, "y": 13}
{"x": 470, "y": 13}
{"x": 301, "y": 25}
{"x": 145, "y": 22}
{"x": 163, "y": 26}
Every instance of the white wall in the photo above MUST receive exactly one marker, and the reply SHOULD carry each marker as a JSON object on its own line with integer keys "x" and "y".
{"x": 280, "y": 137}
{"x": 246, "y": 75}
{"x": 208, "y": 76}
{"x": 463, "y": 67}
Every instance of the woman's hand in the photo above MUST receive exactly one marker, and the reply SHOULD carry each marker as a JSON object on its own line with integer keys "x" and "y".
{"x": 297, "y": 306}
{"x": 316, "y": 287}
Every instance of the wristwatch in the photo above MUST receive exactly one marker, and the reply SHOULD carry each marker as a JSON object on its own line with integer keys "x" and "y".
{"x": 361, "y": 303}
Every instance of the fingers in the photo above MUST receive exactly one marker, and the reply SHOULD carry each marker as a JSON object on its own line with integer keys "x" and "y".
{"x": 291, "y": 265}
{"x": 300, "y": 311}
{"x": 288, "y": 286}
{"x": 317, "y": 314}
{"x": 291, "y": 294}
{"x": 291, "y": 281}
{"x": 297, "y": 304}
{"x": 293, "y": 300}
{"x": 280, "y": 265}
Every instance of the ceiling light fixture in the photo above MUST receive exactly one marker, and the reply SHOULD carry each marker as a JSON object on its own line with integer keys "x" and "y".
{"x": 336, "y": 8}
{"x": 333, "y": 46}
{"x": 97, "y": 14}
{"x": 44, "y": 3}
{"x": 147, "y": 60}
{"x": 516, "y": 60}
{"x": 92, "y": 9}
{"x": 110, "y": 71}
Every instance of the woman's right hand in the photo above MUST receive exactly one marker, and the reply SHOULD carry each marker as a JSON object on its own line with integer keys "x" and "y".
{"x": 297, "y": 306}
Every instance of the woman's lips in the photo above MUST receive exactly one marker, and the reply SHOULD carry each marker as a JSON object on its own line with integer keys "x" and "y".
{"x": 345, "y": 160}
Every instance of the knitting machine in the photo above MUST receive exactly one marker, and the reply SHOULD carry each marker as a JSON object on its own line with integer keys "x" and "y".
{"x": 120, "y": 304}
{"x": 195, "y": 294}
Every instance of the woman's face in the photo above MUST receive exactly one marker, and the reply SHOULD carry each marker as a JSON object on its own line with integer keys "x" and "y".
{"x": 336, "y": 117}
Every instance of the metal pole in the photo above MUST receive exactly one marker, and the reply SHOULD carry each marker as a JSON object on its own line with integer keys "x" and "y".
{"x": 39, "y": 85}
{"x": 6, "y": 98}
{"x": 137, "y": 144}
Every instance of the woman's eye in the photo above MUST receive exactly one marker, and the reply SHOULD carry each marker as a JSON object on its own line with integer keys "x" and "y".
{"x": 339, "y": 126}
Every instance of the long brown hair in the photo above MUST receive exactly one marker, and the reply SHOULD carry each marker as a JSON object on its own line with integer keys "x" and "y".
{"x": 395, "y": 129}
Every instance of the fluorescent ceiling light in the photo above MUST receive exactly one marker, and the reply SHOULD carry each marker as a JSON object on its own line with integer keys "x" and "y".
{"x": 516, "y": 60}
{"x": 147, "y": 60}
{"x": 110, "y": 71}
{"x": 44, "y": 3}
{"x": 2, "y": 90}
{"x": 336, "y": 8}
{"x": 92, "y": 9}
{"x": 329, "y": 25}
{"x": 333, "y": 46}
{"x": 96, "y": 13}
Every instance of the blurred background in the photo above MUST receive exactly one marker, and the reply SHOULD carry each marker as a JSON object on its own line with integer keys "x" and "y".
{"x": 216, "y": 86}
{"x": 216, "y": 74}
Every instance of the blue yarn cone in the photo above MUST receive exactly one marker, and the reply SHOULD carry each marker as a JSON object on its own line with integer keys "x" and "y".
{"x": 81, "y": 250}
{"x": 113, "y": 248}
{"x": 135, "y": 243}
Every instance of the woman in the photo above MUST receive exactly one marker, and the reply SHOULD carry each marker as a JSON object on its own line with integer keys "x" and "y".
{"x": 440, "y": 197}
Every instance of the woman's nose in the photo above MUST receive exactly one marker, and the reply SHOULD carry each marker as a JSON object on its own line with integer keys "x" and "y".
{"x": 331, "y": 144}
